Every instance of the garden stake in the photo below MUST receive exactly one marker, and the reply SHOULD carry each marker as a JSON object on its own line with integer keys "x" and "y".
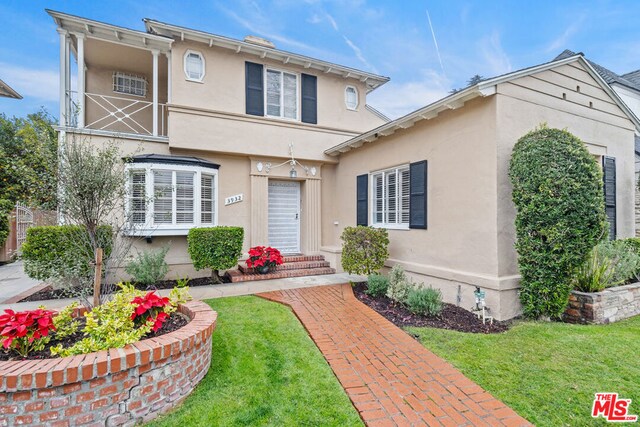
{"x": 96, "y": 279}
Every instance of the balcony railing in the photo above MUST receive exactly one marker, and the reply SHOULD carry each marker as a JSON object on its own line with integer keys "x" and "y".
{"x": 116, "y": 114}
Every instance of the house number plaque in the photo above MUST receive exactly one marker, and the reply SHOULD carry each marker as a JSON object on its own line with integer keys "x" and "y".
{"x": 233, "y": 199}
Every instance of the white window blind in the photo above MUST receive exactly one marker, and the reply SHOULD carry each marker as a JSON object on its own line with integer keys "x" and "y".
{"x": 163, "y": 197}
{"x": 206, "y": 199}
{"x": 281, "y": 94}
{"x": 194, "y": 66}
{"x": 184, "y": 197}
{"x": 390, "y": 197}
{"x": 137, "y": 196}
{"x": 129, "y": 84}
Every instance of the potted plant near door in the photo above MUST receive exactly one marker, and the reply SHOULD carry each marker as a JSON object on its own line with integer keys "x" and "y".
{"x": 262, "y": 259}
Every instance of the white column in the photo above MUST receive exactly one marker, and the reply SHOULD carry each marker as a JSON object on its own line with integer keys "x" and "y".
{"x": 63, "y": 72}
{"x": 67, "y": 78}
{"x": 168, "y": 77}
{"x": 155, "y": 54}
{"x": 81, "y": 80}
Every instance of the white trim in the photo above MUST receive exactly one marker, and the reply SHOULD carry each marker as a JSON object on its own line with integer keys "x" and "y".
{"x": 484, "y": 88}
{"x": 398, "y": 225}
{"x": 184, "y": 65}
{"x": 346, "y": 99}
{"x": 151, "y": 229}
{"x": 298, "y": 103}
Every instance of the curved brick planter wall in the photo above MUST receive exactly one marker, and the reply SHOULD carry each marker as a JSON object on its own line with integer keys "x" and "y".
{"x": 114, "y": 387}
{"x": 608, "y": 306}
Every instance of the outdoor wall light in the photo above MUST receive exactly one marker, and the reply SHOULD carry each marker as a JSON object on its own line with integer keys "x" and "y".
{"x": 292, "y": 162}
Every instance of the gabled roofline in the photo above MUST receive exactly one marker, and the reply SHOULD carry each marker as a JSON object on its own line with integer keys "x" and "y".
{"x": 482, "y": 89}
{"x": 112, "y": 33}
{"x": 7, "y": 92}
{"x": 373, "y": 81}
{"x": 378, "y": 113}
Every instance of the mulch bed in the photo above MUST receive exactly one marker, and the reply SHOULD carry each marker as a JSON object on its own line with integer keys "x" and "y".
{"x": 452, "y": 317}
{"x": 50, "y": 293}
{"x": 174, "y": 322}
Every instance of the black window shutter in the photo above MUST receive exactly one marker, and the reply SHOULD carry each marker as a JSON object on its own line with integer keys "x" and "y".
{"x": 254, "y": 89}
{"x": 609, "y": 177}
{"x": 418, "y": 195}
{"x": 309, "y": 99}
{"x": 362, "y": 200}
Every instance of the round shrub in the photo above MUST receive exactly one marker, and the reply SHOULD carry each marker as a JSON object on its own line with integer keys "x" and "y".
{"x": 425, "y": 301}
{"x": 557, "y": 191}
{"x": 364, "y": 249}
{"x": 217, "y": 248}
{"x": 377, "y": 285}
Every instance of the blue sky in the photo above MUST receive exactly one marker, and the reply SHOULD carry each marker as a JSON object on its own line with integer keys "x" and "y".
{"x": 392, "y": 38}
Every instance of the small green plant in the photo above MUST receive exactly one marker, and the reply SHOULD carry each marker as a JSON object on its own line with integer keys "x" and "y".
{"x": 217, "y": 248}
{"x": 65, "y": 322}
{"x": 399, "y": 284}
{"x": 608, "y": 264}
{"x": 364, "y": 249}
{"x": 377, "y": 285}
{"x": 425, "y": 301}
{"x": 149, "y": 267}
{"x": 182, "y": 282}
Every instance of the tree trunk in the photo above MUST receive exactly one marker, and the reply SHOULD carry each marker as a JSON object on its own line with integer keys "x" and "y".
{"x": 215, "y": 276}
{"x": 97, "y": 278}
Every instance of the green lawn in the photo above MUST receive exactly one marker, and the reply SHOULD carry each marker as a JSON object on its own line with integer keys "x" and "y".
{"x": 265, "y": 370}
{"x": 548, "y": 372}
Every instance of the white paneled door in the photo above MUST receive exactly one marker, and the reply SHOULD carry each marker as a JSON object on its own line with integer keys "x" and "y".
{"x": 284, "y": 216}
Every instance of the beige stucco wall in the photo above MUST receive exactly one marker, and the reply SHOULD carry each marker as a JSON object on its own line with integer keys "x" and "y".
{"x": 459, "y": 247}
{"x": 470, "y": 236}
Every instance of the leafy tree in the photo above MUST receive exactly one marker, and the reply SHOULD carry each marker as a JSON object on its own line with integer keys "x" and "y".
{"x": 471, "y": 82}
{"x": 557, "y": 190}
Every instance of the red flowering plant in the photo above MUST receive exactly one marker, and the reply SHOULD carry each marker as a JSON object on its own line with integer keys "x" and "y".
{"x": 26, "y": 331}
{"x": 260, "y": 256}
{"x": 150, "y": 308}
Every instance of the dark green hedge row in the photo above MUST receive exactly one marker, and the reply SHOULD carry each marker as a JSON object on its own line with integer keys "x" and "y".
{"x": 217, "y": 248}
{"x": 62, "y": 250}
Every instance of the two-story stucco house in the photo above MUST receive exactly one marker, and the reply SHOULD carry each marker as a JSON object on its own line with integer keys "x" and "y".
{"x": 240, "y": 133}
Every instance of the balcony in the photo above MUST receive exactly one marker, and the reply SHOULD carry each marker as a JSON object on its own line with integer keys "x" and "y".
{"x": 116, "y": 114}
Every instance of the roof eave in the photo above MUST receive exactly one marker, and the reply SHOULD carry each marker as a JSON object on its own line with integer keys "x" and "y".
{"x": 8, "y": 92}
{"x": 108, "y": 32}
{"x": 372, "y": 81}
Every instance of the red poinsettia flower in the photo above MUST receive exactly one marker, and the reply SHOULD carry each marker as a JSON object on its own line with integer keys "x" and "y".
{"x": 20, "y": 330}
{"x": 150, "y": 307}
{"x": 260, "y": 256}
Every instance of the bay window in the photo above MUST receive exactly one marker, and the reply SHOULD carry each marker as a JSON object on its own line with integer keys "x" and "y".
{"x": 169, "y": 199}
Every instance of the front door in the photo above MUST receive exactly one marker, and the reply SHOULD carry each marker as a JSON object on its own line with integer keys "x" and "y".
{"x": 284, "y": 216}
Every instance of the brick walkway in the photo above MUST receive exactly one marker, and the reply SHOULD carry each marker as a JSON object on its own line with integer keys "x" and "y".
{"x": 390, "y": 378}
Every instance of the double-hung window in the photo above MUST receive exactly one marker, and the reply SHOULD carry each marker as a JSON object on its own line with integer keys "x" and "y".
{"x": 129, "y": 84}
{"x": 390, "y": 197}
{"x": 281, "y": 95}
{"x": 165, "y": 199}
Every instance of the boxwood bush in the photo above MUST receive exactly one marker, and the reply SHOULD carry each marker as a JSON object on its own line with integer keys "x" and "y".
{"x": 364, "y": 249}
{"x": 217, "y": 248}
{"x": 557, "y": 191}
{"x": 58, "y": 251}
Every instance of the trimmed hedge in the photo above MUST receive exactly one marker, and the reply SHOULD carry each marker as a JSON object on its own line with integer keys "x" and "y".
{"x": 217, "y": 248}
{"x": 5, "y": 210}
{"x": 557, "y": 191}
{"x": 364, "y": 249}
{"x": 56, "y": 251}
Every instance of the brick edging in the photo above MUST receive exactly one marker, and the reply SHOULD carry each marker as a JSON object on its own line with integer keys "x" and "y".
{"x": 38, "y": 374}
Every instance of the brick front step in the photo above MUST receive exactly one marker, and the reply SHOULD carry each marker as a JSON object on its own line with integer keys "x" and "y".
{"x": 299, "y": 265}
{"x": 237, "y": 276}
{"x": 303, "y": 258}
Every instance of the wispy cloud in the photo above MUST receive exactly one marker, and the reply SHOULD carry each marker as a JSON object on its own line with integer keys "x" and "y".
{"x": 355, "y": 48}
{"x": 398, "y": 99}
{"x": 495, "y": 57}
{"x": 38, "y": 84}
{"x": 561, "y": 41}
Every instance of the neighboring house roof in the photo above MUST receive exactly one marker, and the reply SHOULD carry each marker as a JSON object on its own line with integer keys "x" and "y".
{"x": 609, "y": 76}
{"x": 637, "y": 145}
{"x": 484, "y": 88}
{"x": 372, "y": 81}
{"x": 633, "y": 76}
{"x": 113, "y": 33}
{"x": 6, "y": 91}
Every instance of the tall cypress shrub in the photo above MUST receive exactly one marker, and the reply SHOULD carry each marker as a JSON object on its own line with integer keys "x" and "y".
{"x": 557, "y": 190}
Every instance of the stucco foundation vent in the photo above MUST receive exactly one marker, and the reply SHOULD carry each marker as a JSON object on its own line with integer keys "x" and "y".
{"x": 259, "y": 41}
